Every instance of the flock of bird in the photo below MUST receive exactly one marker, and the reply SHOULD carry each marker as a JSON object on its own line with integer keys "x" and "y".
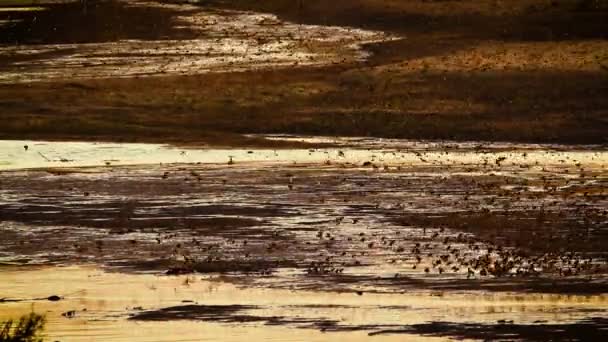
{"x": 440, "y": 250}
{"x": 443, "y": 252}
{"x": 344, "y": 244}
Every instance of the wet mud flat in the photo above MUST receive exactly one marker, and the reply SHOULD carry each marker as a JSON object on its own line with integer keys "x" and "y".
{"x": 384, "y": 221}
{"x": 193, "y": 40}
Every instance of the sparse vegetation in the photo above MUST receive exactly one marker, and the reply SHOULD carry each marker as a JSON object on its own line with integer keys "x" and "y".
{"x": 27, "y": 329}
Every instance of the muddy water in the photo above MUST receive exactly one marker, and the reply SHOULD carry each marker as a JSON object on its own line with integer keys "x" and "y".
{"x": 229, "y": 41}
{"x": 104, "y": 302}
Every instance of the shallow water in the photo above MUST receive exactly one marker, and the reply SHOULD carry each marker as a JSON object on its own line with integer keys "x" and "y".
{"x": 104, "y": 301}
{"x": 40, "y": 154}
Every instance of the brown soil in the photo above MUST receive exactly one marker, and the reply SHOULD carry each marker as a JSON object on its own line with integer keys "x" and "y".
{"x": 532, "y": 72}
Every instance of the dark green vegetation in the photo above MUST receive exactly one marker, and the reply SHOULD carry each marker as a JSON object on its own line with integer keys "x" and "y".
{"x": 27, "y": 329}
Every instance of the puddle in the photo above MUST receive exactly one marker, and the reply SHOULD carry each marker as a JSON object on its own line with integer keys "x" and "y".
{"x": 104, "y": 302}
{"x": 230, "y": 41}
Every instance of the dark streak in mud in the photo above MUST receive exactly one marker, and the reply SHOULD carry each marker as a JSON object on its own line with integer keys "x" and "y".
{"x": 579, "y": 228}
{"x": 225, "y": 314}
{"x": 202, "y": 312}
{"x": 233, "y": 266}
{"x": 593, "y": 329}
{"x": 403, "y": 283}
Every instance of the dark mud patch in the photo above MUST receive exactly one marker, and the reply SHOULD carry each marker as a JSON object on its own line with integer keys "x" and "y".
{"x": 103, "y": 21}
{"x": 171, "y": 267}
{"x": 419, "y": 107}
{"x": 112, "y": 216}
{"x": 225, "y": 314}
{"x": 526, "y": 285}
{"x": 438, "y": 285}
{"x": 582, "y": 229}
{"x": 220, "y": 313}
{"x": 527, "y": 20}
{"x": 593, "y": 329}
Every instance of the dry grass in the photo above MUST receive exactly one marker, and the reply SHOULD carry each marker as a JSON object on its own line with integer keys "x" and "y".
{"x": 27, "y": 329}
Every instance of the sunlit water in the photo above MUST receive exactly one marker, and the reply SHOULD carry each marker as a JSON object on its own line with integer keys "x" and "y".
{"x": 104, "y": 301}
{"x": 229, "y": 41}
{"x": 23, "y": 154}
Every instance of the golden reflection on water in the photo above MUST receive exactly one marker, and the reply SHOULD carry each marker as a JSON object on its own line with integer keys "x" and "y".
{"x": 104, "y": 300}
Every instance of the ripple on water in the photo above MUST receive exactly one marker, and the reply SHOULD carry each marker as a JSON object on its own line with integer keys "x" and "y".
{"x": 104, "y": 302}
